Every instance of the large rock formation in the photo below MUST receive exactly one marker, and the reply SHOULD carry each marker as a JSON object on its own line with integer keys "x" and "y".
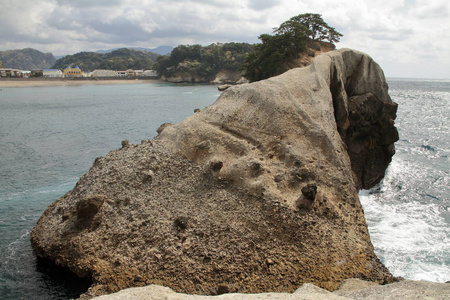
{"x": 256, "y": 193}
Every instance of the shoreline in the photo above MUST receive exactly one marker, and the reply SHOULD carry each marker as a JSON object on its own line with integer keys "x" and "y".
{"x": 35, "y": 82}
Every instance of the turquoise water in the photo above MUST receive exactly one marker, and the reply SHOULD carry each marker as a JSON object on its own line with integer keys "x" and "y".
{"x": 50, "y": 136}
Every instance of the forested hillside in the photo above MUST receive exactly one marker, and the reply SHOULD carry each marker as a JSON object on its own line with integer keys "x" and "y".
{"x": 121, "y": 59}
{"x": 26, "y": 59}
{"x": 196, "y": 61}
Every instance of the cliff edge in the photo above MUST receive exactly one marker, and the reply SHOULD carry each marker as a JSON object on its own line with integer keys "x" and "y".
{"x": 255, "y": 193}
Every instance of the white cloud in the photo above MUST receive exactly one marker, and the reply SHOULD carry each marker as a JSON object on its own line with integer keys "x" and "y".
{"x": 396, "y": 33}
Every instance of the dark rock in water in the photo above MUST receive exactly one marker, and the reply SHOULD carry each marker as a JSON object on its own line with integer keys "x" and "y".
{"x": 221, "y": 211}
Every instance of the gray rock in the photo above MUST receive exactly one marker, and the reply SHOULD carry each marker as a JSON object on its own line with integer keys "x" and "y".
{"x": 406, "y": 289}
{"x": 354, "y": 284}
{"x": 154, "y": 292}
{"x": 360, "y": 290}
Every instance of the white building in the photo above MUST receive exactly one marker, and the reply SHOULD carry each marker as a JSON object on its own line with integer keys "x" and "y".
{"x": 138, "y": 73}
{"x": 104, "y": 73}
{"x": 52, "y": 73}
{"x": 121, "y": 73}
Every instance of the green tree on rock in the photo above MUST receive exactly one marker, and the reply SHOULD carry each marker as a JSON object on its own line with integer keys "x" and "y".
{"x": 315, "y": 27}
{"x": 277, "y": 52}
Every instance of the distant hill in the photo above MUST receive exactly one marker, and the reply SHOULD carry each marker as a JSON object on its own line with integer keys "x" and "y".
{"x": 26, "y": 59}
{"x": 161, "y": 50}
{"x": 120, "y": 59}
{"x": 219, "y": 63}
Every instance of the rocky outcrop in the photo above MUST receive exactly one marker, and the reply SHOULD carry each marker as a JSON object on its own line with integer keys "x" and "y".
{"x": 185, "y": 77}
{"x": 351, "y": 289}
{"x": 228, "y": 77}
{"x": 222, "y": 77}
{"x": 255, "y": 193}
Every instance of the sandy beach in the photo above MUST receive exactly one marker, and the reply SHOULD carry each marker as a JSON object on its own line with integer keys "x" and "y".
{"x": 8, "y": 83}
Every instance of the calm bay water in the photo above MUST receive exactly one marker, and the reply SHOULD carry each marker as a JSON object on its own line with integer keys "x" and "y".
{"x": 50, "y": 136}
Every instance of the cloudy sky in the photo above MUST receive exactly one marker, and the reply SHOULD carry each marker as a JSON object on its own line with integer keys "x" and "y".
{"x": 408, "y": 38}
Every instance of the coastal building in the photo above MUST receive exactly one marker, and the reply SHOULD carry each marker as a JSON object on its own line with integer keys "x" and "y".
{"x": 72, "y": 72}
{"x": 26, "y": 74}
{"x": 138, "y": 73}
{"x": 121, "y": 73}
{"x": 37, "y": 73}
{"x": 104, "y": 73}
{"x": 52, "y": 73}
{"x": 8, "y": 72}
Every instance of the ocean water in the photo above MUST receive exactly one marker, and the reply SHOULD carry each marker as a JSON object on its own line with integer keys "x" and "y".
{"x": 408, "y": 213}
{"x": 50, "y": 136}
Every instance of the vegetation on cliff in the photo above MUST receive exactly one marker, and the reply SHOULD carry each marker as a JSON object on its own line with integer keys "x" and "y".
{"x": 204, "y": 62}
{"x": 121, "y": 59}
{"x": 299, "y": 37}
{"x": 26, "y": 59}
{"x": 278, "y": 52}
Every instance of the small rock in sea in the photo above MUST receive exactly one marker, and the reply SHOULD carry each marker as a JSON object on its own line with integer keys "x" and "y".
{"x": 196, "y": 110}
